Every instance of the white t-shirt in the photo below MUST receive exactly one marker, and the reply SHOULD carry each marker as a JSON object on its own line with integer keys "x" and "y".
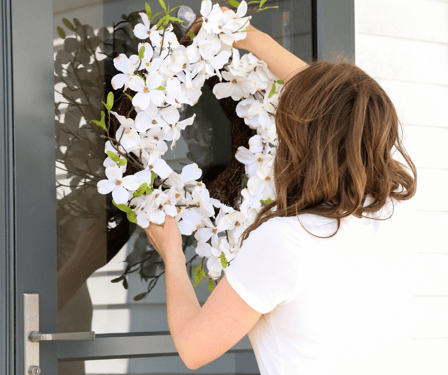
{"x": 333, "y": 306}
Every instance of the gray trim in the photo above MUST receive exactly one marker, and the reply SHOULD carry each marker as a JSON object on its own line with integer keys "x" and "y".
{"x": 335, "y": 29}
{"x": 7, "y": 269}
{"x": 34, "y": 168}
{"x": 128, "y": 345}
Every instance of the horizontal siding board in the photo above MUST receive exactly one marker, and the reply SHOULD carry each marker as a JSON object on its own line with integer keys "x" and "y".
{"x": 418, "y": 104}
{"x": 400, "y": 19}
{"x": 432, "y": 186}
{"x": 432, "y": 228}
{"x": 432, "y": 275}
{"x": 430, "y": 317}
{"x": 403, "y": 59}
{"x": 427, "y": 146}
{"x": 431, "y": 355}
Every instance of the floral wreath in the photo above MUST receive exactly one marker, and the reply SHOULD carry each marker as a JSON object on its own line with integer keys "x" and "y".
{"x": 165, "y": 75}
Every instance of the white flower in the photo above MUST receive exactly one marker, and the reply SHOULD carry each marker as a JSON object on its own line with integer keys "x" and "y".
{"x": 117, "y": 184}
{"x": 175, "y": 126}
{"x": 214, "y": 266}
{"x": 159, "y": 208}
{"x": 237, "y": 87}
{"x": 144, "y": 31}
{"x": 126, "y": 67}
{"x": 147, "y": 92}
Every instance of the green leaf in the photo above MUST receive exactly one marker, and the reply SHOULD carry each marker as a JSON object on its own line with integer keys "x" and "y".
{"x": 155, "y": 15}
{"x": 280, "y": 82}
{"x": 140, "y": 190}
{"x": 113, "y": 156}
{"x": 149, "y": 191}
{"x": 272, "y": 92}
{"x": 269, "y": 7}
{"x": 153, "y": 177}
{"x": 211, "y": 285}
{"x": 122, "y": 162}
{"x": 141, "y": 53}
{"x": 131, "y": 217}
{"x": 176, "y": 19}
{"x": 148, "y": 10}
{"x": 118, "y": 279}
{"x": 179, "y": 6}
{"x": 162, "y": 4}
{"x": 267, "y": 201}
{"x": 160, "y": 88}
{"x": 110, "y": 100}
{"x": 129, "y": 96}
{"x": 61, "y": 32}
{"x": 140, "y": 296}
{"x": 191, "y": 34}
{"x": 223, "y": 260}
{"x": 102, "y": 122}
{"x": 68, "y": 24}
{"x": 198, "y": 275}
{"x": 122, "y": 207}
{"x": 253, "y": 2}
{"x": 77, "y": 22}
{"x": 233, "y": 3}
{"x": 161, "y": 21}
{"x": 262, "y": 3}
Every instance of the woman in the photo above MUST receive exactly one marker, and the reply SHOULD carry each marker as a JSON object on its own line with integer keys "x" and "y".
{"x": 322, "y": 281}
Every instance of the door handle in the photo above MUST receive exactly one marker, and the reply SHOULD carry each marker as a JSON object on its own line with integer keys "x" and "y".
{"x": 39, "y": 336}
{"x": 32, "y": 336}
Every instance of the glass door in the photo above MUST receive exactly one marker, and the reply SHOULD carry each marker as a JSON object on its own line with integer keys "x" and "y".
{"x": 100, "y": 272}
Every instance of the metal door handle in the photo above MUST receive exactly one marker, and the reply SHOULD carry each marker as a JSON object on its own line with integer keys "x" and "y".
{"x": 39, "y": 336}
{"x": 32, "y": 336}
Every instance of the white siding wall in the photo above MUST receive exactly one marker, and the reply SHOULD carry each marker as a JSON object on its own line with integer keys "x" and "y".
{"x": 403, "y": 44}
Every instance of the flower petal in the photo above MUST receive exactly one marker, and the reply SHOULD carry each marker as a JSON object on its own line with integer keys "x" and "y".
{"x": 203, "y": 234}
{"x": 121, "y": 62}
{"x": 191, "y": 172}
{"x": 243, "y": 155}
{"x": 120, "y": 195}
{"x": 114, "y": 173}
{"x": 130, "y": 182}
{"x": 206, "y": 7}
{"x": 141, "y": 100}
{"x": 204, "y": 250}
{"x": 161, "y": 168}
{"x": 136, "y": 83}
{"x": 157, "y": 97}
{"x": 223, "y": 90}
{"x": 144, "y": 176}
{"x": 105, "y": 186}
{"x": 140, "y": 31}
{"x": 119, "y": 80}
{"x": 157, "y": 216}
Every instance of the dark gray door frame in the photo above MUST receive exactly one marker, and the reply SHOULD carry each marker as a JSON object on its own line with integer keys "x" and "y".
{"x": 28, "y": 176}
{"x": 27, "y": 157}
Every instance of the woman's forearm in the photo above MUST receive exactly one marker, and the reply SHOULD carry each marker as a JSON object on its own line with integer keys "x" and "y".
{"x": 280, "y": 61}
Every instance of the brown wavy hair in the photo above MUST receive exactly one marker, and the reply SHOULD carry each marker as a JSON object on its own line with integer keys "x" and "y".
{"x": 337, "y": 131}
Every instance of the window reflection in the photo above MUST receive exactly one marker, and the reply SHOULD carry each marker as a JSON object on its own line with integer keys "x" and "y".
{"x": 96, "y": 243}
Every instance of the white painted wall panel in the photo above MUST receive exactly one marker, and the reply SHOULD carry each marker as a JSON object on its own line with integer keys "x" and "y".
{"x": 403, "y": 44}
{"x": 410, "y": 19}
{"x": 403, "y": 59}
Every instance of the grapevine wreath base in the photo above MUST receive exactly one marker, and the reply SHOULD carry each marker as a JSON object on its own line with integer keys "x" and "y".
{"x": 167, "y": 74}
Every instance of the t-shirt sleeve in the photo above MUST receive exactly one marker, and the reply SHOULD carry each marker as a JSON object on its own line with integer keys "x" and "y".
{"x": 264, "y": 271}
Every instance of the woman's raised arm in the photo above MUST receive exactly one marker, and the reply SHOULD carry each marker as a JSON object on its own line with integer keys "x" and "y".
{"x": 280, "y": 61}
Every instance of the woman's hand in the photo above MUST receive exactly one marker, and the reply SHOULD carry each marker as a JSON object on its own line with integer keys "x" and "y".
{"x": 245, "y": 43}
{"x": 166, "y": 239}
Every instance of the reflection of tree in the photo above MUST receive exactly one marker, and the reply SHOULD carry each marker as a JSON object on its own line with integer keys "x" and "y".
{"x": 83, "y": 71}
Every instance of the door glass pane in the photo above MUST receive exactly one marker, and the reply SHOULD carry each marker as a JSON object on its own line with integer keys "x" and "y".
{"x": 96, "y": 243}
{"x": 228, "y": 364}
